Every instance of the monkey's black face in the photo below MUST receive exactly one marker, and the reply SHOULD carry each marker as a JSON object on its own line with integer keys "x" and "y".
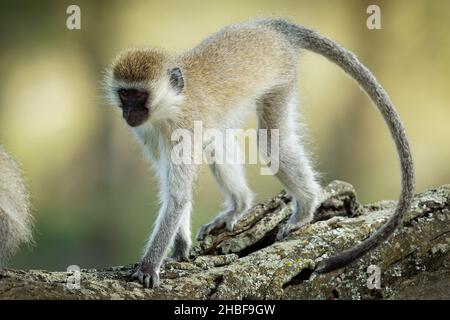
{"x": 134, "y": 106}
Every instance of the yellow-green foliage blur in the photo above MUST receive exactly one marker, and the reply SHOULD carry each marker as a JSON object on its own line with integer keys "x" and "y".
{"x": 94, "y": 196}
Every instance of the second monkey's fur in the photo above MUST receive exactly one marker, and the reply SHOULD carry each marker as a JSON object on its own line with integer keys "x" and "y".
{"x": 251, "y": 65}
{"x": 15, "y": 210}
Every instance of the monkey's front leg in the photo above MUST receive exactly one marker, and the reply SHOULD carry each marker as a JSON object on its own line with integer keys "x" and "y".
{"x": 176, "y": 196}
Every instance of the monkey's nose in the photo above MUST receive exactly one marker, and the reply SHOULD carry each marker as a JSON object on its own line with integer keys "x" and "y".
{"x": 135, "y": 116}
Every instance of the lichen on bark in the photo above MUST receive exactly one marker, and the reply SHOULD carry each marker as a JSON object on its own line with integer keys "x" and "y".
{"x": 249, "y": 264}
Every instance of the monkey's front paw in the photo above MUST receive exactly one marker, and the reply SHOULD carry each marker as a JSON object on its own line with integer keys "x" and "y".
{"x": 218, "y": 224}
{"x": 205, "y": 230}
{"x": 146, "y": 276}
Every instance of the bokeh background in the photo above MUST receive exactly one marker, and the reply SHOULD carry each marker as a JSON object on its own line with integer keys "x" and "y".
{"x": 94, "y": 195}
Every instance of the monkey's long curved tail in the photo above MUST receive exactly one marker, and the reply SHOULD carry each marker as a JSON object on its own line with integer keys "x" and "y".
{"x": 303, "y": 38}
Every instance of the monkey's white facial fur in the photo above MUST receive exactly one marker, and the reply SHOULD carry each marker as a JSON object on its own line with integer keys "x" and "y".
{"x": 144, "y": 86}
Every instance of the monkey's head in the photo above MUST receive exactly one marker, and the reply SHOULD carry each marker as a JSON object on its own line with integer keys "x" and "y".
{"x": 145, "y": 85}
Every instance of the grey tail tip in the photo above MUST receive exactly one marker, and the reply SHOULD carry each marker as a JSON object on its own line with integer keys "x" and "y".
{"x": 328, "y": 265}
{"x": 321, "y": 268}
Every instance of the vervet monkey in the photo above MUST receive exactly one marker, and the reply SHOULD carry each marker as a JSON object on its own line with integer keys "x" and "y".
{"x": 15, "y": 209}
{"x": 253, "y": 66}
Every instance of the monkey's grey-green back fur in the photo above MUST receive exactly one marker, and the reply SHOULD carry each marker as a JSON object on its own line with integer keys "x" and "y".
{"x": 15, "y": 212}
{"x": 303, "y": 38}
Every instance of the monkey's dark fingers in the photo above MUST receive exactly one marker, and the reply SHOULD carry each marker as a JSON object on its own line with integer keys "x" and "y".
{"x": 208, "y": 228}
{"x": 148, "y": 280}
{"x": 203, "y": 232}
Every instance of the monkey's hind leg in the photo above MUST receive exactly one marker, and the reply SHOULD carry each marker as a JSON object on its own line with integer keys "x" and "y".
{"x": 183, "y": 242}
{"x": 238, "y": 197}
{"x": 277, "y": 111}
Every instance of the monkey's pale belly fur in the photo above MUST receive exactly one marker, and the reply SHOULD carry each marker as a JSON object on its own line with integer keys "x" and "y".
{"x": 252, "y": 65}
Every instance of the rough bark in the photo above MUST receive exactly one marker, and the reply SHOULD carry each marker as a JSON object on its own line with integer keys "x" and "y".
{"x": 250, "y": 264}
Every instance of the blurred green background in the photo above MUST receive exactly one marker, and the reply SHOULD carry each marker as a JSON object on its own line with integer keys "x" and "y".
{"x": 94, "y": 195}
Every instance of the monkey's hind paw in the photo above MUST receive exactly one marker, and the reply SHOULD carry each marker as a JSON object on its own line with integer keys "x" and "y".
{"x": 148, "y": 279}
{"x": 289, "y": 227}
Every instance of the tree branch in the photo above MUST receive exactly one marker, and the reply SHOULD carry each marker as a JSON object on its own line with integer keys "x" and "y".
{"x": 249, "y": 264}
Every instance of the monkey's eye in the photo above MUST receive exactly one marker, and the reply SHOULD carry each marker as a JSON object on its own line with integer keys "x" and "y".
{"x": 123, "y": 93}
{"x": 141, "y": 94}
{"x": 133, "y": 94}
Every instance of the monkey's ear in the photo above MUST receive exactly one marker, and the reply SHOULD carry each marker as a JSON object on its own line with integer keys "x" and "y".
{"x": 176, "y": 79}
